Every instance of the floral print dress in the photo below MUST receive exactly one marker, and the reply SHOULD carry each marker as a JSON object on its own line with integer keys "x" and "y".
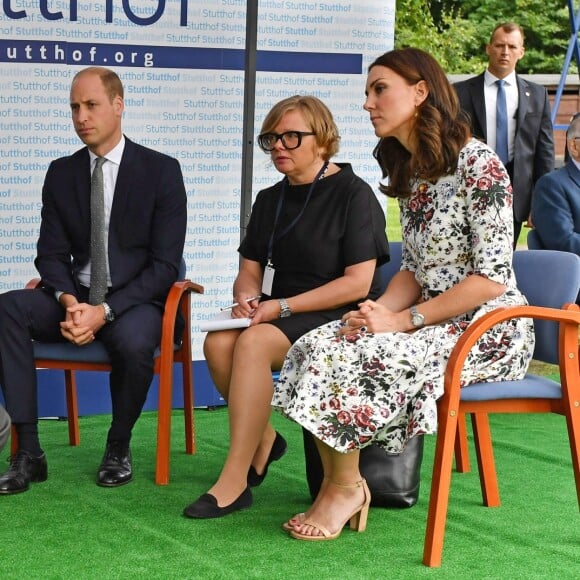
{"x": 382, "y": 387}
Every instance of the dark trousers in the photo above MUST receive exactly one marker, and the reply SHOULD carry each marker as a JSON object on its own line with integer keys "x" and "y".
{"x": 517, "y": 224}
{"x": 4, "y": 427}
{"x": 130, "y": 340}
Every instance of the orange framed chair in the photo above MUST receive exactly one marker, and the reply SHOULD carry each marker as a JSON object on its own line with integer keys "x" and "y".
{"x": 550, "y": 280}
{"x": 93, "y": 357}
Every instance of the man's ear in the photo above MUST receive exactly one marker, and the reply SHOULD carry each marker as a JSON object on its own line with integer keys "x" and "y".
{"x": 119, "y": 105}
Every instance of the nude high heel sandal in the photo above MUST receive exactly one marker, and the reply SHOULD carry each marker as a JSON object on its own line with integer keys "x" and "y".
{"x": 298, "y": 519}
{"x": 358, "y": 518}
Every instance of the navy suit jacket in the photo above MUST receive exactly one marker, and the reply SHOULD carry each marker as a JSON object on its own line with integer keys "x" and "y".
{"x": 556, "y": 209}
{"x": 146, "y": 231}
{"x": 534, "y": 138}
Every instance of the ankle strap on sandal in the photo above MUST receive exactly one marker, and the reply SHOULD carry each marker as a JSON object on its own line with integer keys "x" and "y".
{"x": 359, "y": 483}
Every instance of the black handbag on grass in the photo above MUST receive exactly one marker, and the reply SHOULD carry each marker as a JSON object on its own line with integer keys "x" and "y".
{"x": 393, "y": 479}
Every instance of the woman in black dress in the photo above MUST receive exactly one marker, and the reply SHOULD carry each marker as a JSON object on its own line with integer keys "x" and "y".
{"x": 312, "y": 248}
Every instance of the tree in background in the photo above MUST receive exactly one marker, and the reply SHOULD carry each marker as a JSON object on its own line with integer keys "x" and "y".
{"x": 455, "y": 32}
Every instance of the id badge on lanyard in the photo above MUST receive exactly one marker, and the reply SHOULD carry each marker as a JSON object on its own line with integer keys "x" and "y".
{"x": 269, "y": 270}
{"x": 268, "y": 279}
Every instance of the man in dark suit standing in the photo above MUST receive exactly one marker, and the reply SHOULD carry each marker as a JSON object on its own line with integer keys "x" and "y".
{"x": 143, "y": 212}
{"x": 530, "y": 138}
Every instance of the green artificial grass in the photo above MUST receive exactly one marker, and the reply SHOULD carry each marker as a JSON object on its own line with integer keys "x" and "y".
{"x": 68, "y": 527}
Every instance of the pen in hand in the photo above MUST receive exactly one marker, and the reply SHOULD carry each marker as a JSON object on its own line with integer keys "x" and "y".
{"x": 237, "y": 304}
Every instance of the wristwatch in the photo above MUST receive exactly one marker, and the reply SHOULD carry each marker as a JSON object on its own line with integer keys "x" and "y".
{"x": 109, "y": 314}
{"x": 417, "y": 319}
{"x": 284, "y": 308}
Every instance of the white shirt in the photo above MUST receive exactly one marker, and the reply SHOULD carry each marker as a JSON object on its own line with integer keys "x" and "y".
{"x": 110, "y": 172}
{"x": 511, "y": 96}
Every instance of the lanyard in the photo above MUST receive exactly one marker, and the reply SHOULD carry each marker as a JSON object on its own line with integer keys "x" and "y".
{"x": 274, "y": 238}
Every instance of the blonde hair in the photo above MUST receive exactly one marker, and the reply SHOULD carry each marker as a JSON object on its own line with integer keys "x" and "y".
{"x": 317, "y": 116}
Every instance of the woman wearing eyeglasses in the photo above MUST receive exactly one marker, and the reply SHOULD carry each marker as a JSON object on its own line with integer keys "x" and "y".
{"x": 311, "y": 251}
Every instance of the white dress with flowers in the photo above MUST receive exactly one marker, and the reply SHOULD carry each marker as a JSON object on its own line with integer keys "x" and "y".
{"x": 382, "y": 388}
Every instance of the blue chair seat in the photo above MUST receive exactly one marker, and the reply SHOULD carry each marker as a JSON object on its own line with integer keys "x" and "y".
{"x": 530, "y": 387}
{"x": 91, "y": 353}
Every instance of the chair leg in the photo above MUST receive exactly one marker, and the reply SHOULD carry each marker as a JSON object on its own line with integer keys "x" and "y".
{"x": 573, "y": 424}
{"x": 72, "y": 407}
{"x": 188, "y": 411}
{"x": 461, "y": 446}
{"x": 164, "y": 420}
{"x": 485, "y": 460}
{"x": 440, "y": 486}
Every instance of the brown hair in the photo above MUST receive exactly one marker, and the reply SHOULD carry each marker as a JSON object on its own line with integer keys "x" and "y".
{"x": 440, "y": 129}
{"x": 317, "y": 116}
{"x": 507, "y": 27}
{"x": 111, "y": 81}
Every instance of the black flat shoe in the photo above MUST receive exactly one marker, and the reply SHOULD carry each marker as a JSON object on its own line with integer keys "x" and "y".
{"x": 24, "y": 469}
{"x": 278, "y": 449}
{"x": 206, "y": 507}
{"x": 115, "y": 468}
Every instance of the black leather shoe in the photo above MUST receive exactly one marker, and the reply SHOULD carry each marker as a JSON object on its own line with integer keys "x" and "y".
{"x": 278, "y": 449}
{"x": 115, "y": 468}
{"x": 206, "y": 507}
{"x": 24, "y": 469}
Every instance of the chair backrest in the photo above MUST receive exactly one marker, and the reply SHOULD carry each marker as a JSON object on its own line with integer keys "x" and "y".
{"x": 389, "y": 269}
{"x": 534, "y": 242}
{"x": 182, "y": 270}
{"x": 546, "y": 277}
{"x": 551, "y": 279}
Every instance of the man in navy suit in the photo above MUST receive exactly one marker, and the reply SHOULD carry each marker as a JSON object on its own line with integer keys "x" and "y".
{"x": 529, "y": 126}
{"x": 145, "y": 210}
{"x": 556, "y": 204}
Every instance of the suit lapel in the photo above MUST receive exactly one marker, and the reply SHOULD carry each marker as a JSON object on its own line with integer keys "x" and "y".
{"x": 83, "y": 186}
{"x": 478, "y": 96}
{"x": 523, "y": 102}
{"x": 125, "y": 177}
{"x": 573, "y": 172}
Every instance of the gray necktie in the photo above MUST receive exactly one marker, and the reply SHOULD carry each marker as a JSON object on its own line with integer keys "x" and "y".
{"x": 98, "y": 288}
{"x": 501, "y": 135}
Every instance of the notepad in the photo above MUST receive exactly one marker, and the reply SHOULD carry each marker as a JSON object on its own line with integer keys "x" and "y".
{"x": 223, "y": 321}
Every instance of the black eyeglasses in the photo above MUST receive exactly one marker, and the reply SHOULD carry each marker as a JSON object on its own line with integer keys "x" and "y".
{"x": 290, "y": 140}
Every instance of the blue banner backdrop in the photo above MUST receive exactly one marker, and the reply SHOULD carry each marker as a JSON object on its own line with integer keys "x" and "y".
{"x": 182, "y": 64}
